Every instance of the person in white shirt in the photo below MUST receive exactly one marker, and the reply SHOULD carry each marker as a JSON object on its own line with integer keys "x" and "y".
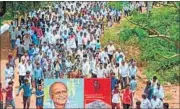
{"x": 45, "y": 47}
{"x": 29, "y": 67}
{"x": 116, "y": 98}
{"x": 145, "y": 103}
{"x": 103, "y": 54}
{"x": 116, "y": 71}
{"x": 159, "y": 92}
{"x": 80, "y": 39}
{"x": 111, "y": 50}
{"x": 85, "y": 68}
{"x": 156, "y": 103}
{"x": 124, "y": 72}
{"x": 106, "y": 71}
{"x": 21, "y": 71}
{"x": 132, "y": 71}
{"x": 93, "y": 43}
{"x": 9, "y": 72}
{"x": 92, "y": 64}
{"x": 99, "y": 71}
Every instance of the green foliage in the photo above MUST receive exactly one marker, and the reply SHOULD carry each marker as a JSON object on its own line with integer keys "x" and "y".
{"x": 116, "y": 5}
{"x": 155, "y": 51}
{"x": 126, "y": 34}
{"x": 171, "y": 75}
{"x": 19, "y": 8}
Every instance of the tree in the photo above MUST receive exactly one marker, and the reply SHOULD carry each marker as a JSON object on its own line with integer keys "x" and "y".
{"x": 158, "y": 38}
{"x": 2, "y": 8}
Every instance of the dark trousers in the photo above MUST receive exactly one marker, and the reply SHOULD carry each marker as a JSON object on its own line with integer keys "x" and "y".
{"x": 126, "y": 106}
{"x": 115, "y": 105}
{"x": 94, "y": 75}
{"x": 123, "y": 82}
{"x": 126, "y": 13}
{"x": 21, "y": 79}
{"x": 110, "y": 57}
{"x": 57, "y": 74}
{"x": 26, "y": 100}
{"x": 13, "y": 44}
{"x": 1, "y": 104}
{"x": 37, "y": 82}
{"x": 19, "y": 56}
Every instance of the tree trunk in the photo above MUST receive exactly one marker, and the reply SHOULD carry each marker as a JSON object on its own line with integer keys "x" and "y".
{"x": 3, "y": 8}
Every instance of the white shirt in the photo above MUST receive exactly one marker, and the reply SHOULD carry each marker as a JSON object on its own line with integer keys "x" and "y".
{"x": 22, "y": 69}
{"x": 103, "y": 54}
{"x": 100, "y": 73}
{"x": 110, "y": 49}
{"x": 45, "y": 48}
{"x": 159, "y": 92}
{"x": 116, "y": 98}
{"x": 116, "y": 71}
{"x": 106, "y": 72}
{"x": 9, "y": 72}
{"x": 145, "y": 104}
{"x": 85, "y": 68}
{"x": 29, "y": 68}
{"x": 156, "y": 104}
{"x": 92, "y": 64}
{"x": 124, "y": 71}
{"x": 132, "y": 71}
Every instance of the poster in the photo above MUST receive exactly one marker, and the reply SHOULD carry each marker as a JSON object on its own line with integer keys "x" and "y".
{"x": 64, "y": 93}
{"x": 97, "y": 93}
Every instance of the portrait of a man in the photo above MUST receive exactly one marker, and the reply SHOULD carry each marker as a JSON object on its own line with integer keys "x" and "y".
{"x": 60, "y": 96}
{"x": 96, "y": 85}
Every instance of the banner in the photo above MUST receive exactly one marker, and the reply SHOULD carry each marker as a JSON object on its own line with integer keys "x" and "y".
{"x": 97, "y": 93}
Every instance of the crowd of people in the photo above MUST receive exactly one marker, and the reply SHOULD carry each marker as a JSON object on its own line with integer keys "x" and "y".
{"x": 64, "y": 42}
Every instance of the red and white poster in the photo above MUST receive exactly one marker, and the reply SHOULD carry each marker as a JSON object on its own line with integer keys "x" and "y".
{"x": 97, "y": 93}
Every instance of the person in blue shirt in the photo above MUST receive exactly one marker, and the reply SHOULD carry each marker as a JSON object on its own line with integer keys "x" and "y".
{"x": 98, "y": 45}
{"x": 114, "y": 81}
{"x": 30, "y": 51}
{"x": 149, "y": 90}
{"x": 38, "y": 74}
{"x": 27, "y": 93}
{"x": 39, "y": 97}
{"x": 35, "y": 38}
{"x": 65, "y": 35}
{"x": 133, "y": 84}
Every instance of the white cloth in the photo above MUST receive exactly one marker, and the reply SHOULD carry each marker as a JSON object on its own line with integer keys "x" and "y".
{"x": 132, "y": 71}
{"x": 124, "y": 71}
{"x": 85, "y": 68}
{"x": 22, "y": 69}
{"x": 116, "y": 98}
{"x": 145, "y": 104}
{"x": 29, "y": 68}
{"x": 8, "y": 74}
{"x": 110, "y": 49}
{"x": 156, "y": 104}
{"x": 159, "y": 92}
{"x": 100, "y": 73}
{"x": 4, "y": 28}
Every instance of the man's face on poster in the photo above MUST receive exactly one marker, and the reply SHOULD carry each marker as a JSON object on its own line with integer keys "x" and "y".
{"x": 59, "y": 94}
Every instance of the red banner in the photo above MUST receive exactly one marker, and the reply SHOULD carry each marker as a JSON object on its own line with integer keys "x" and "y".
{"x": 97, "y": 93}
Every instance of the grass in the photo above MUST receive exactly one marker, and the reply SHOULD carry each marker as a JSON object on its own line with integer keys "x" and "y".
{"x": 169, "y": 96}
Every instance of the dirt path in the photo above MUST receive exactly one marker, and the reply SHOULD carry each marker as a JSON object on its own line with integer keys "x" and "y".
{"x": 5, "y": 46}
